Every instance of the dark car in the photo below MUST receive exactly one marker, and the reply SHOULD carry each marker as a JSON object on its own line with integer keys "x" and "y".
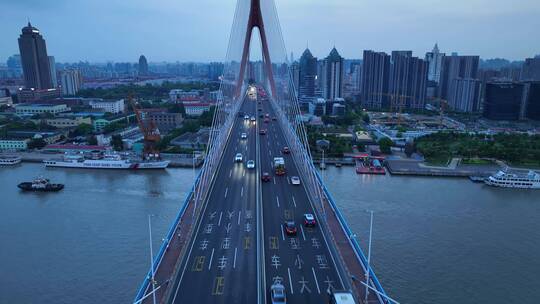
{"x": 261, "y": 116}
{"x": 290, "y": 227}
{"x": 259, "y": 109}
{"x": 266, "y": 120}
{"x": 240, "y": 114}
{"x": 265, "y": 177}
{"x": 309, "y": 220}
{"x": 262, "y": 131}
{"x": 274, "y": 118}
{"x": 286, "y": 150}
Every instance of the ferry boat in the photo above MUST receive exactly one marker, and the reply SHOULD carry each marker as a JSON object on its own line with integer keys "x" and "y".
{"x": 531, "y": 180}
{"x": 9, "y": 160}
{"x": 40, "y": 184}
{"x": 106, "y": 161}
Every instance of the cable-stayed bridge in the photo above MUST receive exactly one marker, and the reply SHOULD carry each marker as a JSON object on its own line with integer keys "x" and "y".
{"x": 228, "y": 243}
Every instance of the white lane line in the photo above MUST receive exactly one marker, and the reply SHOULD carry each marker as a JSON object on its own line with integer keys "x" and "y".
{"x": 290, "y": 280}
{"x": 246, "y": 147}
{"x": 226, "y": 191}
{"x": 294, "y": 202}
{"x": 234, "y": 262}
{"x": 220, "y": 215}
{"x": 270, "y": 152}
{"x": 243, "y": 173}
{"x": 277, "y": 201}
{"x": 230, "y": 173}
{"x": 282, "y": 234}
{"x": 302, "y": 229}
{"x": 316, "y": 282}
{"x": 239, "y": 213}
{"x": 211, "y": 257}
{"x": 242, "y": 191}
{"x": 274, "y": 180}
{"x": 288, "y": 180}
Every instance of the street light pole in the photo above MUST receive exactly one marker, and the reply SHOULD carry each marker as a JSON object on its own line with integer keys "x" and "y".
{"x": 369, "y": 256}
{"x": 152, "y": 258}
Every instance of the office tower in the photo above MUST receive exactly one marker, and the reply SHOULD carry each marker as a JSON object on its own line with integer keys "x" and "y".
{"x": 52, "y": 68}
{"x": 35, "y": 62}
{"x": 531, "y": 69}
{"x": 356, "y": 76}
{"x": 333, "y": 76}
{"x": 504, "y": 100}
{"x": 375, "y": 77}
{"x": 532, "y": 107}
{"x": 408, "y": 81}
{"x": 71, "y": 82}
{"x": 143, "y": 66}
{"x": 435, "y": 60}
{"x": 307, "y": 74}
{"x": 456, "y": 67}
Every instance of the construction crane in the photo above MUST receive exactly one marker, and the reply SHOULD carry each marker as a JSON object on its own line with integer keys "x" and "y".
{"x": 400, "y": 105}
{"x": 151, "y": 135}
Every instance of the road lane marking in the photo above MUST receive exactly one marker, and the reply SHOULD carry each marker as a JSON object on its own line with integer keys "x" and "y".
{"x": 247, "y": 242}
{"x": 198, "y": 263}
{"x": 219, "y": 221}
{"x": 211, "y": 257}
{"x": 273, "y": 243}
{"x": 234, "y": 261}
{"x": 242, "y": 191}
{"x": 219, "y": 283}
{"x": 243, "y": 173}
{"x": 282, "y": 233}
{"x": 230, "y": 173}
{"x": 239, "y": 213}
{"x": 277, "y": 201}
{"x": 288, "y": 180}
{"x": 290, "y": 280}
{"x": 315, "y": 277}
{"x": 274, "y": 180}
{"x": 294, "y": 202}
{"x": 226, "y": 191}
{"x": 303, "y": 235}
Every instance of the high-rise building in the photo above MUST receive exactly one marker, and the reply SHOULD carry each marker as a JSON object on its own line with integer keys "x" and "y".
{"x": 307, "y": 75}
{"x": 435, "y": 60}
{"x": 52, "y": 68}
{"x": 71, "y": 82}
{"x": 375, "y": 78}
{"x": 532, "y": 107}
{"x": 530, "y": 69}
{"x": 14, "y": 65}
{"x": 456, "y": 67}
{"x": 35, "y": 62}
{"x": 464, "y": 94}
{"x": 333, "y": 76}
{"x": 215, "y": 70}
{"x": 408, "y": 81}
{"x": 504, "y": 100}
{"x": 143, "y": 66}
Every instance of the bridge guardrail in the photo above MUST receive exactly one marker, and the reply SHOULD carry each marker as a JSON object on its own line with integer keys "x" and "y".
{"x": 164, "y": 245}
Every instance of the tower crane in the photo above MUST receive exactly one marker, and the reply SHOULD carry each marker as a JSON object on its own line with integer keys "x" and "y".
{"x": 151, "y": 135}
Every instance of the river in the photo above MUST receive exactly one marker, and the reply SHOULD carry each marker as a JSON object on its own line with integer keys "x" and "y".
{"x": 435, "y": 240}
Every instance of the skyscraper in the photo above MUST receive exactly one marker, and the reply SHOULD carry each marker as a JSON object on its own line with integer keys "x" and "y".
{"x": 307, "y": 74}
{"x": 71, "y": 81}
{"x": 408, "y": 81}
{"x": 504, "y": 100}
{"x": 375, "y": 76}
{"x": 333, "y": 76}
{"x": 52, "y": 68}
{"x": 35, "y": 62}
{"x": 531, "y": 69}
{"x": 434, "y": 59}
{"x": 143, "y": 66}
{"x": 457, "y": 67}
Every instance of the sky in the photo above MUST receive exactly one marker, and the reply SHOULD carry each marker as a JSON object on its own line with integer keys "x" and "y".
{"x": 187, "y": 30}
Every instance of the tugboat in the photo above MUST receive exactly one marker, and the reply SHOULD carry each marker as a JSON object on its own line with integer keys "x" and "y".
{"x": 40, "y": 184}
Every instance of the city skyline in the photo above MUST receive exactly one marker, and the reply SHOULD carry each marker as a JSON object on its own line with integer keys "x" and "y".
{"x": 467, "y": 28}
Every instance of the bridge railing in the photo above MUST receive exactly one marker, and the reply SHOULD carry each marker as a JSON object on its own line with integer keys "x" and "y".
{"x": 159, "y": 257}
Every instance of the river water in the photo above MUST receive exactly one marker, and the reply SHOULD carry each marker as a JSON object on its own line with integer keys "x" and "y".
{"x": 435, "y": 240}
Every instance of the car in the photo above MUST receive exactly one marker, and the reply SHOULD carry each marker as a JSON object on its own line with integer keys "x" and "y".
{"x": 266, "y": 120}
{"x": 265, "y": 177}
{"x": 295, "y": 180}
{"x": 238, "y": 158}
{"x": 309, "y": 220}
{"x": 274, "y": 118}
{"x": 243, "y": 136}
{"x": 277, "y": 293}
{"x": 262, "y": 131}
{"x": 290, "y": 227}
{"x": 252, "y": 119}
{"x": 259, "y": 109}
{"x": 286, "y": 150}
{"x": 240, "y": 114}
{"x": 267, "y": 115}
{"x": 261, "y": 116}
{"x": 250, "y": 164}
{"x": 246, "y": 117}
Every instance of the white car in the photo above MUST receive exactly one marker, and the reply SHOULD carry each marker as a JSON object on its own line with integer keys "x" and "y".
{"x": 250, "y": 164}
{"x": 238, "y": 158}
{"x": 252, "y": 119}
{"x": 277, "y": 293}
{"x": 243, "y": 135}
{"x": 295, "y": 180}
{"x": 246, "y": 117}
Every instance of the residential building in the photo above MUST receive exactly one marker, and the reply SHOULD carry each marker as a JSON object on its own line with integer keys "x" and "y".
{"x": 14, "y": 66}
{"x": 65, "y": 122}
{"x": 317, "y": 107}
{"x": 35, "y": 62}
{"x": 454, "y": 67}
{"x": 5, "y": 98}
{"x": 375, "y": 80}
{"x": 530, "y": 70}
{"x": 143, "y": 66}
{"x": 49, "y": 137}
{"x": 162, "y": 119}
{"x": 27, "y": 95}
{"x": 532, "y": 108}
{"x": 408, "y": 81}
{"x": 13, "y": 144}
{"x": 31, "y": 109}
{"x": 338, "y": 109}
{"x": 504, "y": 100}
{"x": 215, "y": 70}
{"x": 178, "y": 96}
{"x": 190, "y": 140}
{"x": 434, "y": 60}
{"x": 111, "y": 106}
{"x": 333, "y": 70}
{"x": 464, "y": 94}
{"x": 52, "y": 68}
{"x": 196, "y": 108}
{"x": 71, "y": 81}
{"x": 100, "y": 123}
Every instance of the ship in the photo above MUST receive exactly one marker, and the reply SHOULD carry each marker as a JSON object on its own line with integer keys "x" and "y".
{"x": 40, "y": 184}
{"x": 505, "y": 179}
{"x": 105, "y": 161}
{"x": 9, "y": 160}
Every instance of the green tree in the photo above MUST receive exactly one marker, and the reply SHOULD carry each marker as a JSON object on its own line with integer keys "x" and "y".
{"x": 83, "y": 129}
{"x": 206, "y": 117}
{"x": 409, "y": 149}
{"x": 36, "y": 143}
{"x": 385, "y": 145}
{"x": 365, "y": 118}
{"x": 92, "y": 140}
{"x": 116, "y": 142}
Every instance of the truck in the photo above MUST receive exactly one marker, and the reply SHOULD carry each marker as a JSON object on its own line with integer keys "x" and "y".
{"x": 341, "y": 297}
{"x": 279, "y": 165}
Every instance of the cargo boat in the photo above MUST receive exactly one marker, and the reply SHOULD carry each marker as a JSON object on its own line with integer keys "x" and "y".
{"x": 40, "y": 184}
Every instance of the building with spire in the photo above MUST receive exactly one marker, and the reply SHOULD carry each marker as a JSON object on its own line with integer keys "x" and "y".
{"x": 332, "y": 82}
{"x": 307, "y": 75}
{"x": 435, "y": 61}
{"x": 34, "y": 59}
{"x": 143, "y": 66}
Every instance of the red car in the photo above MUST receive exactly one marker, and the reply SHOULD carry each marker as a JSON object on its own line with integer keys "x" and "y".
{"x": 262, "y": 131}
{"x": 265, "y": 177}
{"x": 290, "y": 227}
{"x": 286, "y": 150}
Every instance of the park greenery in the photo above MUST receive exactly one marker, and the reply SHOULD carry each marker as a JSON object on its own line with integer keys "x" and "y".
{"x": 516, "y": 149}
{"x": 338, "y": 145}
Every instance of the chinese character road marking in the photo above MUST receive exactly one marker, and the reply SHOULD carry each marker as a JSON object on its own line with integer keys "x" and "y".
{"x": 329, "y": 283}
{"x": 298, "y": 262}
{"x": 315, "y": 243}
{"x": 228, "y": 228}
{"x": 248, "y": 227}
{"x": 203, "y": 244}
{"x": 288, "y": 214}
{"x": 274, "y": 243}
{"x": 295, "y": 243}
{"x": 321, "y": 260}
{"x": 275, "y": 261}
{"x": 222, "y": 262}
{"x": 208, "y": 228}
{"x": 248, "y": 214}
{"x": 226, "y": 243}
{"x": 198, "y": 263}
{"x": 219, "y": 283}
{"x": 247, "y": 242}
{"x": 304, "y": 286}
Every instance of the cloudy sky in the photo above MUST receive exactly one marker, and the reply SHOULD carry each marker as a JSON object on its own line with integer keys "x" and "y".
{"x": 188, "y": 30}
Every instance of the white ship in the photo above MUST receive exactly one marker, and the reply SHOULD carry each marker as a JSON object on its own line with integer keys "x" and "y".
{"x": 107, "y": 161}
{"x": 531, "y": 180}
{"x": 9, "y": 160}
